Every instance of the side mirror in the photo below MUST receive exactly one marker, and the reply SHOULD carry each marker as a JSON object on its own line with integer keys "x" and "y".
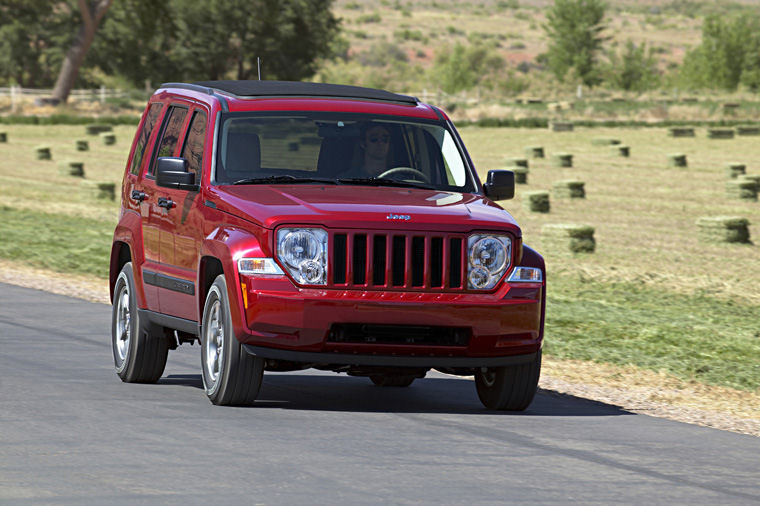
{"x": 172, "y": 172}
{"x": 500, "y": 185}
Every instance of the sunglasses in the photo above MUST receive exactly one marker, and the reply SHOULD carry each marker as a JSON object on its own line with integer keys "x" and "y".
{"x": 384, "y": 139}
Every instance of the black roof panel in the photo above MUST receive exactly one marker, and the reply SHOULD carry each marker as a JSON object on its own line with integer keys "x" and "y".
{"x": 301, "y": 89}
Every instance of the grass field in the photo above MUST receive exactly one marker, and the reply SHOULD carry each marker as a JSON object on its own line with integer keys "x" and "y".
{"x": 652, "y": 295}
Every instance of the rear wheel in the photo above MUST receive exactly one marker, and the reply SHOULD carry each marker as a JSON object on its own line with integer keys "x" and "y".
{"x": 139, "y": 348}
{"x": 509, "y": 388}
{"x": 231, "y": 376}
{"x": 386, "y": 380}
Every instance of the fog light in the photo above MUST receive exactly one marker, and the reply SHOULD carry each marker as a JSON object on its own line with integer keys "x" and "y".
{"x": 479, "y": 277}
{"x": 311, "y": 272}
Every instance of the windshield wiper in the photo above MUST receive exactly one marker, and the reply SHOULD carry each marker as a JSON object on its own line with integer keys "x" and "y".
{"x": 384, "y": 181}
{"x": 284, "y": 178}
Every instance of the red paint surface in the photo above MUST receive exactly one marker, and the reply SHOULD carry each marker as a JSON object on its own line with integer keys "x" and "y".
{"x": 224, "y": 223}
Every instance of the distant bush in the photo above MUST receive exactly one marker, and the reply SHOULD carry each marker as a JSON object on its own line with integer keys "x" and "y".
{"x": 635, "y": 69}
{"x": 463, "y": 67}
{"x": 382, "y": 54}
{"x": 453, "y": 30}
{"x": 353, "y": 6}
{"x": 369, "y": 18}
{"x": 407, "y": 34}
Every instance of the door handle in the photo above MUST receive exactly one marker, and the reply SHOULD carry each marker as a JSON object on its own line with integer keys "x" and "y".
{"x": 138, "y": 196}
{"x": 166, "y": 203}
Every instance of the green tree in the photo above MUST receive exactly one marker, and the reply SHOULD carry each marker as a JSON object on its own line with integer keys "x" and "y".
{"x": 90, "y": 15}
{"x": 464, "y": 67}
{"x": 197, "y": 40}
{"x": 574, "y": 28}
{"x": 635, "y": 69}
{"x": 724, "y": 54}
{"x": 32, "y": 34}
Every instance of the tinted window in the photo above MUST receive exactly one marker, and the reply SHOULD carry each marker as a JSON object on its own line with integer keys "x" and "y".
{"x": 170, "y": 135}
{"x": 144, "y": 136}
{"x": 193, "y": 150}
{"x": 339, "y": 146}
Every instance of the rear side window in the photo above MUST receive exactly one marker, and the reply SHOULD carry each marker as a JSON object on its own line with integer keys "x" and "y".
{"x": 144, "y": 136}
{"x": 172, "y": 128}
{"x": 193, "y": 149}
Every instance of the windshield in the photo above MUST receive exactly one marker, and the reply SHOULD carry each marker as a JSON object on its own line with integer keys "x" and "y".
{"x": 341, "y": 148}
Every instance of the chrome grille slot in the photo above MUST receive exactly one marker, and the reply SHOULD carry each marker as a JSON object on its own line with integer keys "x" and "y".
{"x": 411, "y": 261}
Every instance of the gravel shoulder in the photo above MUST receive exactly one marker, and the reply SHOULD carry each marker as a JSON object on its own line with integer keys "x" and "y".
{"x": 630, "y": 388}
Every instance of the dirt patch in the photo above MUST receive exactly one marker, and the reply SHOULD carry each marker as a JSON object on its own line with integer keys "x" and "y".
{"x": 631, "y": 388}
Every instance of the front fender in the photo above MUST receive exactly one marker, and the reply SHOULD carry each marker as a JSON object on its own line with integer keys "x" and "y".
{"x": 228, "y": 244}
{"x": 532, "y": 258}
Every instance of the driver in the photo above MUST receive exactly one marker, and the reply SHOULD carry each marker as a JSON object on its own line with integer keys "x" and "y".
{"x": 375, "y": 144}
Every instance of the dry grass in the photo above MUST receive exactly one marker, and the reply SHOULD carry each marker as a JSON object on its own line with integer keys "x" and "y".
{"x": 644, "y": 213}
{"x": 28, "y": 183}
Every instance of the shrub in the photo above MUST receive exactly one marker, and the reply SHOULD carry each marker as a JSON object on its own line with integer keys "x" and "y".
{"x": 464, "y": 67}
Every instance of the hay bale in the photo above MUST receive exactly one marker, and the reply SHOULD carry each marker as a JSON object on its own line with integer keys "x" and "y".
{"x": 99, "y": 190}
{"x": 97, "y": 128}
{"x": 71, "y": 168}
{"x": 534, "y": 152}
{"x": 561, "y": 126}
{"x": 562, "y": 160}
{"x": 82, "y": 145}
{"x": 43, "y": 153}
{"x": 719, "y": 229}
{"x": 730, "y": 107}
{"x": 517, "y": 162}
{"x": 742, "y": 189}
{"x": 537, "y": 201}
{"x": 569, "y": 189}
{"x": 521, "y": 174}
{"x": 604, "y": 141}
{"x": 108, "y": 138}
{"x": 734, "y": 170}
{"x": 568, "y": 238}
{"x": 748, "y": 130}
{"x": 677, "y": 160}
{"x": 681, "y": 132}
{"x": 720, "y": 133}
{"x": 754, "y": 179}
{"x": 3, "y": 136}
{"x": 621, "y": 150}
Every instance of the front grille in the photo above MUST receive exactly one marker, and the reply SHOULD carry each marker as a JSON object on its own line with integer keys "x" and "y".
{"x": 417, "y": 261}
{"x": 365, "y": 333}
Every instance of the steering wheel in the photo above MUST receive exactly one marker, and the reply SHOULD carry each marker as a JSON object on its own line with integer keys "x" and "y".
{"x": 406, "y": 170}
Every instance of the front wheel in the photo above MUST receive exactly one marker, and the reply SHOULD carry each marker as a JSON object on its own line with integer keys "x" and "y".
{"x": 509, "y": 388}
{"x": 139, "y": 349}
{"x": 231, "y": 376}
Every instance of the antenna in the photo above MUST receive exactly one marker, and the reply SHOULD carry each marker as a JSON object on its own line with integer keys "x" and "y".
{"x": 258, "y": 65}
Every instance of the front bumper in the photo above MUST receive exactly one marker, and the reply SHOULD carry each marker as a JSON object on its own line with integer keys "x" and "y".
{"x": 284, "y": 322}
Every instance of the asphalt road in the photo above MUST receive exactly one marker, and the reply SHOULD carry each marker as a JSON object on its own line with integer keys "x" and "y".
{"x": 72, "y": 433}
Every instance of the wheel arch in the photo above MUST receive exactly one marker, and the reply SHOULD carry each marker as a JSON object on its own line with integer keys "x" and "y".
{"x": 219, "y": 253}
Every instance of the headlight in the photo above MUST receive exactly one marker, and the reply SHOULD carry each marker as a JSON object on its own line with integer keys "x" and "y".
{"x": 489, "y": 257}
{"x": 303, "y": 251}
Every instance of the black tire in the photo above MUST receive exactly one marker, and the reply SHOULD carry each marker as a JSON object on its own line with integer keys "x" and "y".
{"x": 231, "y": 377}
{"x": 139, "y": 348}
{"x": 384, "y": 380}
{"x": 509, "y": 388}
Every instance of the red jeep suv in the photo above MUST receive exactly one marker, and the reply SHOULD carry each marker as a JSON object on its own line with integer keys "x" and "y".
{"x": 290, "y": 225}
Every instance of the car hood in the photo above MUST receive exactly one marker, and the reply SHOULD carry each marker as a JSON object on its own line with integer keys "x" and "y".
{"x": 362, "y": 207}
